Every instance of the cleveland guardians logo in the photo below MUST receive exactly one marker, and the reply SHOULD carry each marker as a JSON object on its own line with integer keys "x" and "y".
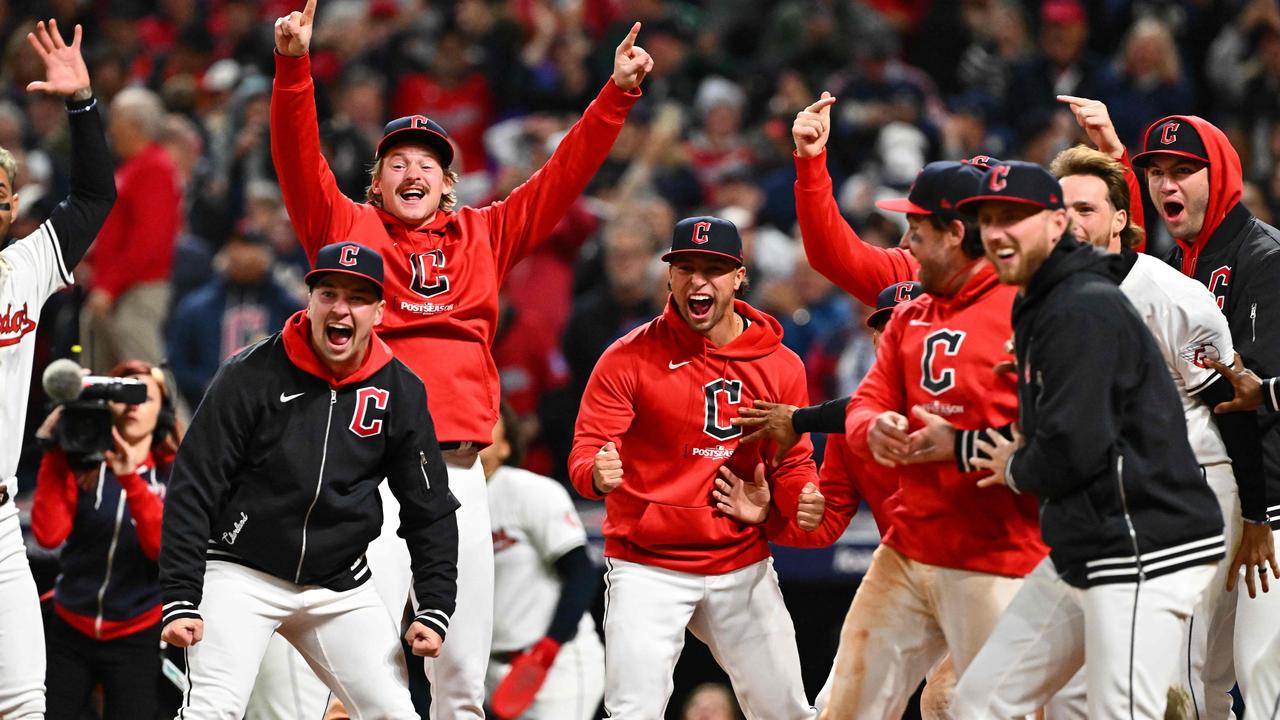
{"x": 700, "y": 230}
{"x": 999, "y": 178}
{"x": 712, "y": 425}
{"x": 902, "y": 294}
{"x": 942, "y": 342}
{"x": 419, "y": 122}
{"x": 368, "y": 399}
{"x": 1169, "y": 134}
{"x": 1219, "y": 281}
{"x": 428, "y": 279}
{"x": 347, "y": 257}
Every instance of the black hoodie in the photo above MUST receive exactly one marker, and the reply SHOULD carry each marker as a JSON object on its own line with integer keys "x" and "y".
{"x": 1121, "y": 493}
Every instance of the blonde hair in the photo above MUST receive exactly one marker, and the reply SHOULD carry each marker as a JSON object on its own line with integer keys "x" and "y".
{"x": 1169, "y": 65}
{"x": 1084, "y": 160}
{"x": 10, "y": 166}
{"x": 448, "y": 200}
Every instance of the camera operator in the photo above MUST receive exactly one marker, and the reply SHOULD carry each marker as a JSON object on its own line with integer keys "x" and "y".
{"x": 32, "y": 269}
{"x": 105, "y": 627}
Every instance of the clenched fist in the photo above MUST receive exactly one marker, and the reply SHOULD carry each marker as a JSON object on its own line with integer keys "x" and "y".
{"x": 183, "y": 632}
{"x": 812, "y": 506}
{"x": 606, "y": 471}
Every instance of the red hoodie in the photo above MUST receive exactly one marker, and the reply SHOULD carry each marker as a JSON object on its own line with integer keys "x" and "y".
{"x": 1226, "y": 184}
{"x": 940, "y": 352}
{"x": 441, "y": 279}
{"x": 664, "y": 394}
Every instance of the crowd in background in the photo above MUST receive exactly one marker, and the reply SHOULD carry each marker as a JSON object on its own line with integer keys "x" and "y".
{"x": 199, "y": 258}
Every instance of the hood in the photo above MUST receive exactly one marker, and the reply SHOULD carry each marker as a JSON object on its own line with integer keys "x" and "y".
{"x": 297, "y": 345}
{"x": 1225, "y": 183}
{"x": 977, "y": 286}
{"x": 395, "y": 225}
{"x": 762, "y": 336}
{"x": 1070, "y": 256}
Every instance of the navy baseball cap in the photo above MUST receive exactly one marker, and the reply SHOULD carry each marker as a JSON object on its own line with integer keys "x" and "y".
{"x": 1015, "y": 181}
{"x": 889, "y": 298}
{"x": 706, "y": 234}
{"x": 417, "y": 128}
{"x": 937, "y": 189}
{"x": 1171, "y": 136}
{"x": 348, "y": 258}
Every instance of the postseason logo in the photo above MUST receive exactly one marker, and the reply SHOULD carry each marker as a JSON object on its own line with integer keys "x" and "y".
{"x": 719, "y": 452}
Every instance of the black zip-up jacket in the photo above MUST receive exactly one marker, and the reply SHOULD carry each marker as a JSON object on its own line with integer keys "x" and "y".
{"x": 280, "y": 469}
{"x": 1240, "y": 264}
{"x": 1121, "y": 493}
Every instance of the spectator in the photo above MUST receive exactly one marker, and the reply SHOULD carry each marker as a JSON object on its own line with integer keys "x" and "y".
{"x": 240, "y": 306}
{"x": 130, "y": 262}
{"x": 105, "y": 627}
{"x": 1060, "y": 65}
{"x": 1148, "y": 83}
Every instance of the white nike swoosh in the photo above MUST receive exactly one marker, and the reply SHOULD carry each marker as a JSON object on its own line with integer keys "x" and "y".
{"x": 674, "y": 365}
{"x": 917, "y": 323}
{"x": 286, "y": 398}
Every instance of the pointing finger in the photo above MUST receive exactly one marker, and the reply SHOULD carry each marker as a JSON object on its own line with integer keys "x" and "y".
{"x": 309, "y": 12}
{"x": 1073, "y": 100}
{"x": 630, "y": 40}
{"x": 823, "y": 105}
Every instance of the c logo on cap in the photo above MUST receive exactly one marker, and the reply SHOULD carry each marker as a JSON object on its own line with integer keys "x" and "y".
{"x": 1169, "y": 135}
{"x": 419, "y": 122}
{"x": 999, "y": 178}
{"x": 347, "y": 257}
{"x": 700, "y": 230}
{"x": 902, "y": 294}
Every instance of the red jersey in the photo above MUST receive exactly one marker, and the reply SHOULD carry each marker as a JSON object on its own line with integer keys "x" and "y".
{"x": 441, "y": 279}
{"x": 939, "y": 352}
{"x": 833, "y": 248}
{"x": 664, "y": 394}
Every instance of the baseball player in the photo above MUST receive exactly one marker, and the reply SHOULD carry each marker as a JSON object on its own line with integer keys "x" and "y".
{"x": 547, "y": 660}
{"x": 653, "y": 431}
{"x": 274, "y": 499}
{"x": 31, "y": 269}
{"x": 444, "y": 268}
{"x": 1131, "y": 524}
{"x": 953, "y": 554}
{"x": 1194, "y": 178}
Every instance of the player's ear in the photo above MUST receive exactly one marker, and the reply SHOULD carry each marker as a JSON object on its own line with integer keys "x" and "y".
{"x": 13, "y": 207}
{"x": 377, "y": 314}
{"x": 1120, "y": 221}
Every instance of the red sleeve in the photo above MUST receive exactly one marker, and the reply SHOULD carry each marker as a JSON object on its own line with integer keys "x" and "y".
{"x": 1136, "y": 214}
{"x": 837, "y": 486}
{"x": 141, "y": 227}
{"x": 833, "y": 248}
{"x": 146, "y": 508}
{"x": 319, "y": 211}
{"x": 604, "y": 414}
{"x": 880, "y": 391}
{"x": 528, "y": 215}
{"x": 53, "y": 509}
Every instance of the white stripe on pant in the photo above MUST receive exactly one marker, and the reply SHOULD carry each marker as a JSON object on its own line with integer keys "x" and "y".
{"x": 457, "y": 676}
{"x": 1126, "y": 634}
{"x": 740, "y": 616}
{"x": 22, "y": 658}
{"x": 345, "y": 637}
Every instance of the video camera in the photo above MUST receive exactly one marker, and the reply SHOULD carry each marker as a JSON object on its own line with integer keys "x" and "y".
{"x": 84, "y": 430}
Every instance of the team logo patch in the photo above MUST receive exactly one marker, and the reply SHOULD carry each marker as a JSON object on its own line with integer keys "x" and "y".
{"x": 700, "y": 231}
{"x": 1169, "y": 134}
{"x": 713, "y": 424}
{"x": 1196, "y": 354}
{"x": 14, "y": 324}
{"x": 368, "y": 400}
{"x": 943, "y": 342}
{"x": 428, "y": 278}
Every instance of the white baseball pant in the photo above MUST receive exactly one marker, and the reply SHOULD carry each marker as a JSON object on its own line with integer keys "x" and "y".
{"x": 1257, "y": 622}
{"x": 741, "y": 617}
{"x": 1262, "y": 701}
{"x": 574, "y": 685}
{"x": 22, "y": 657}
{"x": 1127, "y": 636}
{"x": 904, "y": 618}
{"x": 345, "y": 637}
{"x": 1208, "y": 663}
{"x": 457, "y": 676}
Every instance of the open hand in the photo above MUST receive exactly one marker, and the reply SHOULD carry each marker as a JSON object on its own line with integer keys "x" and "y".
{"x": 999, "y": 451}
{"x": 772, "y": 421}
{"x": 64, "y": 71}
{"x": 1257, "y": 552}
{"x": 746, "y": 502}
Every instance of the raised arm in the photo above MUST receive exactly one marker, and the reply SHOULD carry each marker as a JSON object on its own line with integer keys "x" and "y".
{"x": 1093, "y": 117}
{"x": 319, "y": 211}
{"x": 833, "y": 248}
{"x": 76, "y": 220}
{"x": 527, "y": 216}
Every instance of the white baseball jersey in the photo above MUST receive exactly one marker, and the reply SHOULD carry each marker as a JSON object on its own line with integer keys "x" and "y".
{"x": 1188, "y": 326}
{"x": 31, "y": 269}
{"x": 534, "y": 524}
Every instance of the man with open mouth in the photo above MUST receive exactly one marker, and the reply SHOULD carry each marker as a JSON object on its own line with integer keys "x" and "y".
{"x": 1195, "y": 179}
{"x": 652, "y": 439}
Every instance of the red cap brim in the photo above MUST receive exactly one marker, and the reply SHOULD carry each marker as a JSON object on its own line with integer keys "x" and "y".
{"x": 902, "y": 205}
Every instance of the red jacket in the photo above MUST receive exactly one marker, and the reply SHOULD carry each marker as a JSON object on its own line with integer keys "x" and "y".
{"x": 441, "y": 279}
{"x": 664, "y": 395}
{"x": 135, "y": 244}
{"x": 940, "y": 353}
